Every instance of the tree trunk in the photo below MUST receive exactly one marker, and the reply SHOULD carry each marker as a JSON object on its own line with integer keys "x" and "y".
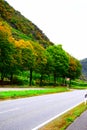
{"x": 49, "y": 79}
{"x": 41, "y": 79}
{"x": 2, "y": 77}
{"x": 54, "y": 79}
{"x": 31, "y": 71}
{"x": 64, "y": 81}
{"x": 70, "y": 83}
{"x": 11, "y": 78}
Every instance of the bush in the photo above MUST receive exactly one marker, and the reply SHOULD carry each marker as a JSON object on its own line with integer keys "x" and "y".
{"x": 79, "y": 83}
{"x": 18, "y": 81}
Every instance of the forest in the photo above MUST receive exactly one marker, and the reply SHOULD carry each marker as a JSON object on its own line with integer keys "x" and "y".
{"x": 27, "y": 56}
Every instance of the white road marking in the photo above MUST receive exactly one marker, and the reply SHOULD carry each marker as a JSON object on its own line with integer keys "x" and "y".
{"x": 39, "y": 126}
{"x": 9, "y": 110}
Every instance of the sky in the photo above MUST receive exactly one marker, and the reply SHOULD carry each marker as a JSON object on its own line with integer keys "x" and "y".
{"x": 63, "y": 22}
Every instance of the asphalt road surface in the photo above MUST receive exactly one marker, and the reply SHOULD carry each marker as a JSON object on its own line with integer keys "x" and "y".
{"x": 29, "y": 113}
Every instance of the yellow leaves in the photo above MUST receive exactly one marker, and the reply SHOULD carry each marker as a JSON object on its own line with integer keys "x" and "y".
{"x": 73, "y": 64}
{"x": 29, "y": 44}
{"x": 23, "y": 44}
{"x": 5, "y": 28}
{"x": 11, "y": 39}
{"x": 20, "y": 44}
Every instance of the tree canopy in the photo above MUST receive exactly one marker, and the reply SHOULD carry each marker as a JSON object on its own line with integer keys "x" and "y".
{"x": 24, "y": 47}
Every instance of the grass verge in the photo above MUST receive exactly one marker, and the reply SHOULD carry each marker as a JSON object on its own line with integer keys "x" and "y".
{"x": 62, "y": 122}
{"x": 29, "y": 93}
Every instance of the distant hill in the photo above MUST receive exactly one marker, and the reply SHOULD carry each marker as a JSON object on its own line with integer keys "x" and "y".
{"x": 22, "y": 28}
{"x": 84, "y": 66}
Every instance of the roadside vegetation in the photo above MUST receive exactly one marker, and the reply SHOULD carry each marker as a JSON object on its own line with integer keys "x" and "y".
{"x": 44, "y": 65}
{"x": 12, "y": 94}
{"x": 79, "y": 84}
{"x": 28, "y": 58}
{"x": 62, "y": 122}
{"x": 28, "y": 93}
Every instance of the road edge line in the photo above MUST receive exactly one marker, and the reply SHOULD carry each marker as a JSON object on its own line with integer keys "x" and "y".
{"x": 46, "y": 122}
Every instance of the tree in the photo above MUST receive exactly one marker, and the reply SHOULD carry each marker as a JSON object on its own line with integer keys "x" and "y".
{"x": 26, "y": 54}
{"x": 6, "y": 57}
{"x": 40, "y": 60}
{"x": 49, "y": 65}
{"x": 60, "y": 61}
{"x": 74, "y": 70}
{"x": 9, "y": 53}
{"x": 28, "y": 58}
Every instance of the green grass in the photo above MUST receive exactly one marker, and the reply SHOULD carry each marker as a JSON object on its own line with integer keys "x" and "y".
{"x": 19, "y": 35}
{"x": 59, "y": 123}
{"x": 78, "y": 87}
{"x": 62, "y": 122}
{"x": 29, "y": 93}
{"x": 79, "y": 84}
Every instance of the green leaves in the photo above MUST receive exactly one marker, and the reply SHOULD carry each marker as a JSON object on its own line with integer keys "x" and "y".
{"x": 21, "y": 24}
{"x": 60, "y": 60}
{"x": 24, "y": 47}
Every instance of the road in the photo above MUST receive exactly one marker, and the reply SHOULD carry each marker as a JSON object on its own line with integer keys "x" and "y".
{"x": 28, "y": 113}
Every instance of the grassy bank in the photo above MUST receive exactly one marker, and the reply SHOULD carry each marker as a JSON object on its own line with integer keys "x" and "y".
{"x": 29, "y": 93}
{"x": 62, "y": 122}
{"x": 78, "y": 87}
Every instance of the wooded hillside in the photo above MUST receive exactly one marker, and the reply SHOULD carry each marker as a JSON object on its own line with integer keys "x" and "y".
{"x": 84, "y": 66}
{"x": 21, "y": 25}
{"x": 25, "y": 50}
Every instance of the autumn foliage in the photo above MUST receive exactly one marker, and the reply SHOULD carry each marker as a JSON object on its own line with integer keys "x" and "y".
{"x": 23, "y": 47}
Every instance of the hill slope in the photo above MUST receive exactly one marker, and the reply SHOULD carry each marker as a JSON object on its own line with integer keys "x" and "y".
{"x": 84, "y": 66}
{"x": 22, "y": 27}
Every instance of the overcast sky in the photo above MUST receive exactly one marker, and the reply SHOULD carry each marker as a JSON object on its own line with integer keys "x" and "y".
{"x": 63, "y": 21}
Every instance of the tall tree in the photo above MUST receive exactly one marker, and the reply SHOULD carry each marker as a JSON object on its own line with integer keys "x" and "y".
{"x": 6, "y": 57}
{"x": 28, "y": 57}
{"x": 60, "y": 61}
{"x": 74, "y": 70}
{"x": 41, "y": 60}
